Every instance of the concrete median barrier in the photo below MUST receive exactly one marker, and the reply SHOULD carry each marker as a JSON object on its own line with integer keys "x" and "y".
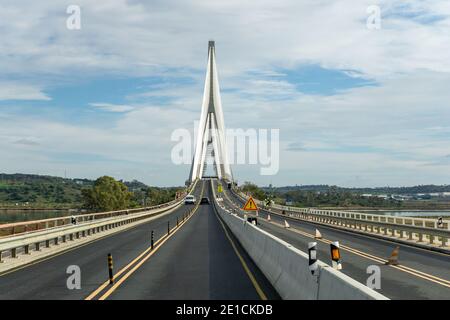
{"x": 287, "y": 268}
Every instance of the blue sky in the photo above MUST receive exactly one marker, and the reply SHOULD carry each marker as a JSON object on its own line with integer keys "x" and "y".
{"x": 355, "y": 107}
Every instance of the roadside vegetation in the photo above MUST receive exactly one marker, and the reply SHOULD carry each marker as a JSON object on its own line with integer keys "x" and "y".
{"x": 23, "y": 191}
{"x": 332, "y": 197}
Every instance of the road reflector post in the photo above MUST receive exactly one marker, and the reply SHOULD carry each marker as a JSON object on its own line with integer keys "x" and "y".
{"x": 335, "y": 255}
{"x": 440, "y": 222}
{"x": 393, "y": 259}
{"x": 252, "y": 220}
{"x": 168, "y": 227}
{"x": 152, "y": 239}
{"x": 177, "y": 221}
{"x": 312, "y": 254}
{"x": 110, "y": 269}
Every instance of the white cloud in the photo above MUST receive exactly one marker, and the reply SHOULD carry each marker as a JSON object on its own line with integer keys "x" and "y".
{"x": 19, "y": 91}
{"x": 402, "y": 120}
{"x": 112, "y": 107}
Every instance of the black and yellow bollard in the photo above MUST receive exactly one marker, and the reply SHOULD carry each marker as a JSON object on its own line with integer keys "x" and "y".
{"x": 177, "y": 221}
{"x": 152, "y": 238}
{"x": 168, "y": 227}
{"x": 110, "y": 269}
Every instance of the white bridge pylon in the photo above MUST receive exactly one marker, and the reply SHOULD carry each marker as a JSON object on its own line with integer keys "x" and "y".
{"x": 211, "y": 138}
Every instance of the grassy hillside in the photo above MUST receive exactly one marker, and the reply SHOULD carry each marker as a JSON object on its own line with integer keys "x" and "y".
{"x": 37, "y": 191}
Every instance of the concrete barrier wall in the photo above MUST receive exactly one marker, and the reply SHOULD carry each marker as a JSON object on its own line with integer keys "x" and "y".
{"x": 403, "y": 230}
{"x": 287, "y": 269}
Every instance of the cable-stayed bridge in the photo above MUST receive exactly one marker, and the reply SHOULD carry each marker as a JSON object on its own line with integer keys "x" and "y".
{"x": 212, "y": 249}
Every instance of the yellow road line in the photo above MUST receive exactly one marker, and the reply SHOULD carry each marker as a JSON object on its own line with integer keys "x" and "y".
{"x": 161, "y": 241}
{"x": 409, "y": 270}
{"x": 412, "y": 271}
{"x": 106, "y": 283}
{"x": 115, "y": 232}
{"x": 244, "y": 264}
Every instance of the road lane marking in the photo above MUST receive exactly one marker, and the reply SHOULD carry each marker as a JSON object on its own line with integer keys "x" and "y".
{"x": 115, "y": 232}
{"x": 106, "y": 283}
{"x": 409, "y": 270}
{"x": 412, "y": 271}
{"x": 255, "y": 283}
{"x": 159, "y": 243}
{"x": 102, "y": 237}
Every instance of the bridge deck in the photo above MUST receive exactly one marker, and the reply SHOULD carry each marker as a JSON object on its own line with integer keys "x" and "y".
{"x": 395, "y": 283}
{"x": 197, "y": 262}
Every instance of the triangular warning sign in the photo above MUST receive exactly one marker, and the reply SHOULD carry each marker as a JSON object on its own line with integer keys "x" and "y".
{"x": 250, "y": 205}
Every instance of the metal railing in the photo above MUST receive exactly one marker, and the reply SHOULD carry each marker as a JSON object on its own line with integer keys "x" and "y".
{"x": 25, "y": 242}
{"x": 10, "y": 229}
{"x": 61, "y": 230}
{"x": 419, "y": 230}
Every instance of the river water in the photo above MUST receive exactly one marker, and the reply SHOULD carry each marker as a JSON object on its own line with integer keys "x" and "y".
{"x": 9, "y": 216}
{"x": 410, "y": 213}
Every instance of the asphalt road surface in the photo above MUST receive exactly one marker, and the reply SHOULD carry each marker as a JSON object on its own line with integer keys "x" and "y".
{"x": 422, "y": 274}
{"x": 197, "y": 261}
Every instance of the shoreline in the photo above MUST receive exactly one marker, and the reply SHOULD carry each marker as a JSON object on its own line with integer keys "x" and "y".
{"x": 6, "y": 210}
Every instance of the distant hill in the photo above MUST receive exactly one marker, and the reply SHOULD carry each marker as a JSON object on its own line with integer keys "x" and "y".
{"x": 377, "y": 190}
{"x": 41, "y": 191}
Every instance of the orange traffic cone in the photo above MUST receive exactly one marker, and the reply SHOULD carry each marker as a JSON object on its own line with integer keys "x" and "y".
{"x": 393, "y": 259}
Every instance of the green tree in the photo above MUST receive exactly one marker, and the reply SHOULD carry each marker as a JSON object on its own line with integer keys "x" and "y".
{"x": 254, "y": 190}
{"x": 106, "y": 194}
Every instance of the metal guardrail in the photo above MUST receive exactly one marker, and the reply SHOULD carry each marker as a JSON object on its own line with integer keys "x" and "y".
{"x": 91, "y": 224}
{"x": 70, "y": 232}
{"x": 287, "y": 267}
{"x": 410, "y": 229}
{"x": 10, "y": 229}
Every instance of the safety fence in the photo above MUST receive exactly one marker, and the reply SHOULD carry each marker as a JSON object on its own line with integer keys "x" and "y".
{"x": 15, "y": 228}
{"x": 27, "y": 242}
{"x": 415, "y": 230}
{"x": 287, "y": 268}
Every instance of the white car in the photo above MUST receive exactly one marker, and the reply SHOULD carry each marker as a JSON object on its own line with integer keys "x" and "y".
{"x": 190, "y": 199}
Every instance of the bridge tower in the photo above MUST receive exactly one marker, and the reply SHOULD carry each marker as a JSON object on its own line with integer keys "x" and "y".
{"x": 211, "y": 148}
